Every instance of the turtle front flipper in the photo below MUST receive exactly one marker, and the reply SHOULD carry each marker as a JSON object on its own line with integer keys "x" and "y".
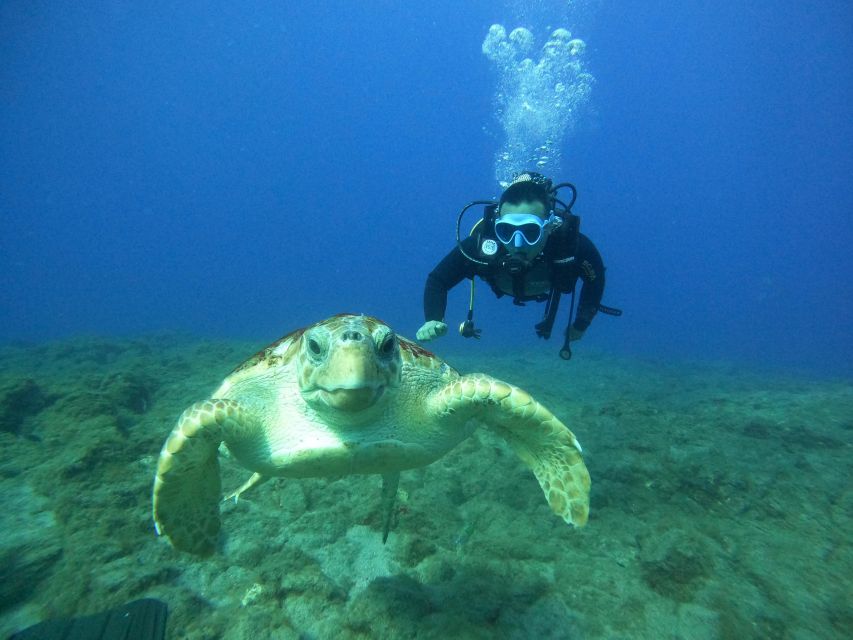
{"x": 187, "y": 485}
{"x": 542, "y": 442}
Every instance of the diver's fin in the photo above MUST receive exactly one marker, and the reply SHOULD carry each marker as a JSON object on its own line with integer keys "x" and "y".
{"x": 138, "y": 620}
{"x": 390, "y": 481}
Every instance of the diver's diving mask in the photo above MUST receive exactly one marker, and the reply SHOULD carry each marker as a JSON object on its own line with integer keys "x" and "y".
{"x": 519, "y": 231}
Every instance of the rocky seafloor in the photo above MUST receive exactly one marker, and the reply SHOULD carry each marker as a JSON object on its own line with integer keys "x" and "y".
{"x": 722, "y": 507}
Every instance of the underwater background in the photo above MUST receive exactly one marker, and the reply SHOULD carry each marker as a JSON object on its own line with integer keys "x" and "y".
{"x": 183, "y": 183}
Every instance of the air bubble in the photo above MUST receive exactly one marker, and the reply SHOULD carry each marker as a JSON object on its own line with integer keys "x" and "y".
{"x": 537, "y": 98}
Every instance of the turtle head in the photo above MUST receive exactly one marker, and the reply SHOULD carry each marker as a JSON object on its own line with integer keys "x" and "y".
{"x": 347, "y": 363}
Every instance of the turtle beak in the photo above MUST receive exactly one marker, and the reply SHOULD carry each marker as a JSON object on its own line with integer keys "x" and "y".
{"x": 351, "y": 381}
{"x": 352, "y": 400}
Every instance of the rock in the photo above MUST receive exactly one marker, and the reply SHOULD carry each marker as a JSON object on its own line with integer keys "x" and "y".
{"x": 676, "y": 563}
{"x": 129, "y": 391}
{"x": 30, "y": 544}
{"x": 20, "y": 399}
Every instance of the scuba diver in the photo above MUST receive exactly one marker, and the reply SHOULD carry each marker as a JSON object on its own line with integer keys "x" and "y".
{"x": 527, "y": 245}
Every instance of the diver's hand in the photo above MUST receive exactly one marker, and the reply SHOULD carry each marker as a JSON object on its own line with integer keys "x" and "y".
{"x": 575, "y": 334}
{"x": 431, "y": 330}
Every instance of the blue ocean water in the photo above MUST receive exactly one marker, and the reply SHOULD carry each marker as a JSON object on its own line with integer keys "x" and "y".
{"x": 240, "y": 169}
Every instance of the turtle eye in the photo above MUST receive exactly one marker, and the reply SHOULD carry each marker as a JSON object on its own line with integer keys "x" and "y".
{"x": 388, "y": 344}
{"x": 314, "y": 347}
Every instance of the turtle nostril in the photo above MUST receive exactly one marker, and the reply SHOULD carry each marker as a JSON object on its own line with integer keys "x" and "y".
{"x": 355, "y": 336}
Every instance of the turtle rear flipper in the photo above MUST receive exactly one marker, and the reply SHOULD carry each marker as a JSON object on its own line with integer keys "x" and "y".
{"x": 542, "y": 442}
{"x": 390, "y": 482}
{"x": 187, "y": 485}
{"x": 257, "y": 479}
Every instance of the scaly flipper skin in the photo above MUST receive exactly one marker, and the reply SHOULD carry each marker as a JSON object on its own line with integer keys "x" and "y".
{"x": 541, "y": 441}
{"x": 187, "y": 485}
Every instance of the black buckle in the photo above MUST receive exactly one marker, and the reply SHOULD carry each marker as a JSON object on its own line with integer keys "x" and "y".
{"x": 467, "y": 330}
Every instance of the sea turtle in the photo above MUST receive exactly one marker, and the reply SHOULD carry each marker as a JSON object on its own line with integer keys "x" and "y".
{"x": 349, "y": 396}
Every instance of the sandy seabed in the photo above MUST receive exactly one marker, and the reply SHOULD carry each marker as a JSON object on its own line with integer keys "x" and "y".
{"x": 722, "y": 507}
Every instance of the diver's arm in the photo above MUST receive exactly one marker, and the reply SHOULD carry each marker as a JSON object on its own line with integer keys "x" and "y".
{"x": 446, "y": 275}
{"x": 592, "y": 276}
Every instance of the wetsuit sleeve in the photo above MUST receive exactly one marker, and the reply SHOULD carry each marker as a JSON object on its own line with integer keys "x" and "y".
{"x": 446, "y": 275}
{"x": 592, "y": 275}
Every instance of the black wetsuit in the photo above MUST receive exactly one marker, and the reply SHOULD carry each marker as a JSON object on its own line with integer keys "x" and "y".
{"x": 566, "y": 257}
